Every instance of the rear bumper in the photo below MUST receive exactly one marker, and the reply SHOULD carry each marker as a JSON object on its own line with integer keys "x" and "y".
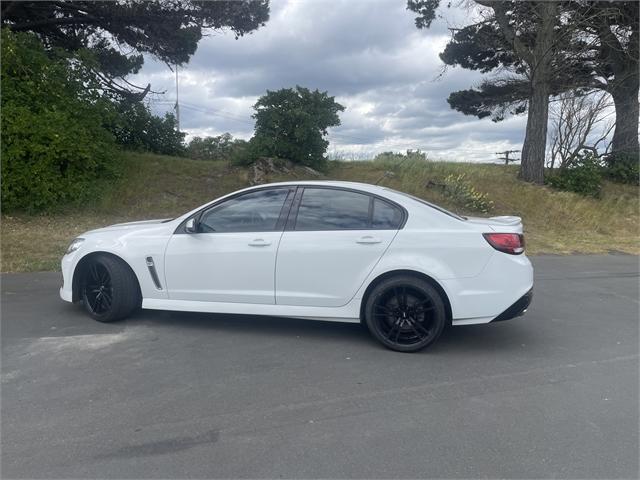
{"x": 517, "y": 309}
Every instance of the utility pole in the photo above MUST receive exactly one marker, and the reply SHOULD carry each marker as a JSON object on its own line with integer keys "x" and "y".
{"x": 177, "y": 101}
{"x": 506, "y": 158}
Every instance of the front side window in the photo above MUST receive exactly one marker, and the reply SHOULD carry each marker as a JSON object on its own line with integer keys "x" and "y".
{"x": 252, "y": 212}
{"x": 328, "y": 209}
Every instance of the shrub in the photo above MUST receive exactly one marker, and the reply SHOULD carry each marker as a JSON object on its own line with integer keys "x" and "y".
{"x": 136, "y": 128}
{"x": 623, "y": 169}
{"x": 396, "y": 157}
{"x": 221, "y": 147}
{"x": 291, "y": 124}
{"x": 465, "y": 195}
{"x": 54, "y": 145}
{"x": 584, "y": 176}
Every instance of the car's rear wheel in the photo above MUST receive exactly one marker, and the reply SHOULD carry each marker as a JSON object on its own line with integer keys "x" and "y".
{"x": 405, "y": 313}
{"x": 109, "y": 289}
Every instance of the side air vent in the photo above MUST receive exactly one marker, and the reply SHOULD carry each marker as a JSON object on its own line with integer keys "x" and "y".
{"x": 154, "y": 274}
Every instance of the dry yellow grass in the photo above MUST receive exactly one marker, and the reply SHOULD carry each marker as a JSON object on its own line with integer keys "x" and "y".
{"x": 156, "y": 187}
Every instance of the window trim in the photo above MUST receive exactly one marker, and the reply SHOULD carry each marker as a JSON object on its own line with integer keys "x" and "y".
{"x": 293, "y": 213}
{"x": 280, "y": 223}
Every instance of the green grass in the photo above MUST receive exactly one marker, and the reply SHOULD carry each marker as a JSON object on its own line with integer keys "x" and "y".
{"x": 155, "y": 186}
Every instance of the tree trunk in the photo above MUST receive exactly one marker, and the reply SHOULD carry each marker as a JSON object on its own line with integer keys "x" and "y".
{"x": 535, "y": 140}
{"x": 625, "y": 97}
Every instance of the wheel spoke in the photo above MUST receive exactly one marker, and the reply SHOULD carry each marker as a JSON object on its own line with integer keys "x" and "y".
{"x": 385, "y": 310}
{"x": 415, "y": 324}
{"x": 107, "y": 299}
{"x": 96, "y": 302}
{"x": 397, "y": 333}
{"x": 393, "y": 328}
{"x": 94, "y": 274}
{"x": 398, "y": 298}
{"x": 413, "y": 327}
{"x": 102, "y": 304}
{"x": 424, "y": 310}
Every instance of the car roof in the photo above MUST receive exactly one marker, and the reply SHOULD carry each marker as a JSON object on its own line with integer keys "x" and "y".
{"x": 366, "y": 187}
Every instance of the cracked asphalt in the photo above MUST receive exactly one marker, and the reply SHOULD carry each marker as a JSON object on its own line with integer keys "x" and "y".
{"x": 553, "y": 394}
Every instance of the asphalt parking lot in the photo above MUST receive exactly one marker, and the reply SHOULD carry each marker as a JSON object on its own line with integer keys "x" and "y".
{"x": 552, "y": 394}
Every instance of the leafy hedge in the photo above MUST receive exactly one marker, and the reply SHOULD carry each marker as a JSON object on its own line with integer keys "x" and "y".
{"x": 583, "y": 177}
{"x": 54, "y": 144}
{"x": 623, "y": 169}
{"x": 136, "y": 128}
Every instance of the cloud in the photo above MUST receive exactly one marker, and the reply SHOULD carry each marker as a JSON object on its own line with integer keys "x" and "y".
{"x": 368, "y": 54}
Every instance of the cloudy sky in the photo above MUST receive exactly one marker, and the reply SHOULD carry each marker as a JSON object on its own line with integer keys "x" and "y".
{"x": 366, "y": 53}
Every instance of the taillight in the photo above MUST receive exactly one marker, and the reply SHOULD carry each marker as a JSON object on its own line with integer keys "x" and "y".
{"x": 511, "y": 243}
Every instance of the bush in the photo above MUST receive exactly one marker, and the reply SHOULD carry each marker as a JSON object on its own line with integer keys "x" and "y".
{"x": 584, "y": 176}
{"x": 136, "y": 128}
{"x": 623, "y": 169}
{"x": 54, "y": 145}
{"x": 291, "y": 125}
{"x": 463, "y": 194}
{"x": 394, "y": 157}
{"x": 221, "y": 147}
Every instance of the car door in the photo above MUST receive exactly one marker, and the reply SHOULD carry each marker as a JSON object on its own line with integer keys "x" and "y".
{"x": 232, "y": 256}
{"x": 333, "y": 240}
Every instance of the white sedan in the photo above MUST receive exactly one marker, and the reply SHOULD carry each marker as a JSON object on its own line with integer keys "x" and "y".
{"x": 338, "y": 251}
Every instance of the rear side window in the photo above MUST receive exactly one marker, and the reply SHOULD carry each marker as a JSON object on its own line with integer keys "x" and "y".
{"x": 328, "y": 209}
{"x": 385, "y": 216}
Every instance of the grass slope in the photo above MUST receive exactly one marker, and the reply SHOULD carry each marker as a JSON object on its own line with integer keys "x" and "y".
{"x": 157, "y": 186}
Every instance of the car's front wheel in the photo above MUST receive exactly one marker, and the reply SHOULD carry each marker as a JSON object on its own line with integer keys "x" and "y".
{"x": 405, "y": 313}
{"x": 109, "y": 289}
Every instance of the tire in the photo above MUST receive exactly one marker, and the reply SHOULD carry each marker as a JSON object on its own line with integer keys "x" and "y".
{"x": 109, "y": 289}
{"x": 405, "y": 313}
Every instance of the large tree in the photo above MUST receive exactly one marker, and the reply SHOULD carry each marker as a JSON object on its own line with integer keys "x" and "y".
{"x": 616, "y": 68}
{"x": 539, "y": 49}
{"x": 119, "y": 33}
{"x": 292, "y": 123}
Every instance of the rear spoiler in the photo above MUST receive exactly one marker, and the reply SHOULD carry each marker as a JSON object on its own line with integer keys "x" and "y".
{"x": 507, "y": 220}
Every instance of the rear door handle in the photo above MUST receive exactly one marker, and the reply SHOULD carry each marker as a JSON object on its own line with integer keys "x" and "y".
{"x": 259, "y": 242}
{"x": 368, "y": 239}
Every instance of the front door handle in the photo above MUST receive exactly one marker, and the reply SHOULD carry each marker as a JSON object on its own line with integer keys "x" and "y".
{"x": 259, "y": 242}
{"x": 368, "y": 239}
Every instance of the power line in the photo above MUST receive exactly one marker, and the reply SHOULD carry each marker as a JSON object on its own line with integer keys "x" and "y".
{"x": 231, "y": 116}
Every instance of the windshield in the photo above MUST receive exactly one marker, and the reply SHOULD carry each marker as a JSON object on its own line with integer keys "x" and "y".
{"x": 424, "y": 202}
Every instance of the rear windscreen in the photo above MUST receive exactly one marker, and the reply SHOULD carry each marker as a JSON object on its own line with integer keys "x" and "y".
{"x": 424, "y": 202}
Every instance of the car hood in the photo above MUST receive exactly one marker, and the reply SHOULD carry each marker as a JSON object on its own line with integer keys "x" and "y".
{"x": 129, "y": 226}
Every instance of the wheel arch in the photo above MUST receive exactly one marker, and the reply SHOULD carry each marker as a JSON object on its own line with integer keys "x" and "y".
{"x": 84, "y": 262}
{"x": 413, "y": 273}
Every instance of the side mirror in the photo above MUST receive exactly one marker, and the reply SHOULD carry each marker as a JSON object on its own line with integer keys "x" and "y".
{"x": 191, "y": 226}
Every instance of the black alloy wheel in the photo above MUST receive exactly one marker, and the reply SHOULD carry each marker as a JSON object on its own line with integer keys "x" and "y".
{"x": 97, "y": 291}
{"x": 405, "y": 313}
{"x": 109, "y": 288}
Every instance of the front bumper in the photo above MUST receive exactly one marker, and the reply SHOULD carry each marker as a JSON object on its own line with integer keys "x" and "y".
{"x": 517, "y": 309}
{"x": 67, "y": 265}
